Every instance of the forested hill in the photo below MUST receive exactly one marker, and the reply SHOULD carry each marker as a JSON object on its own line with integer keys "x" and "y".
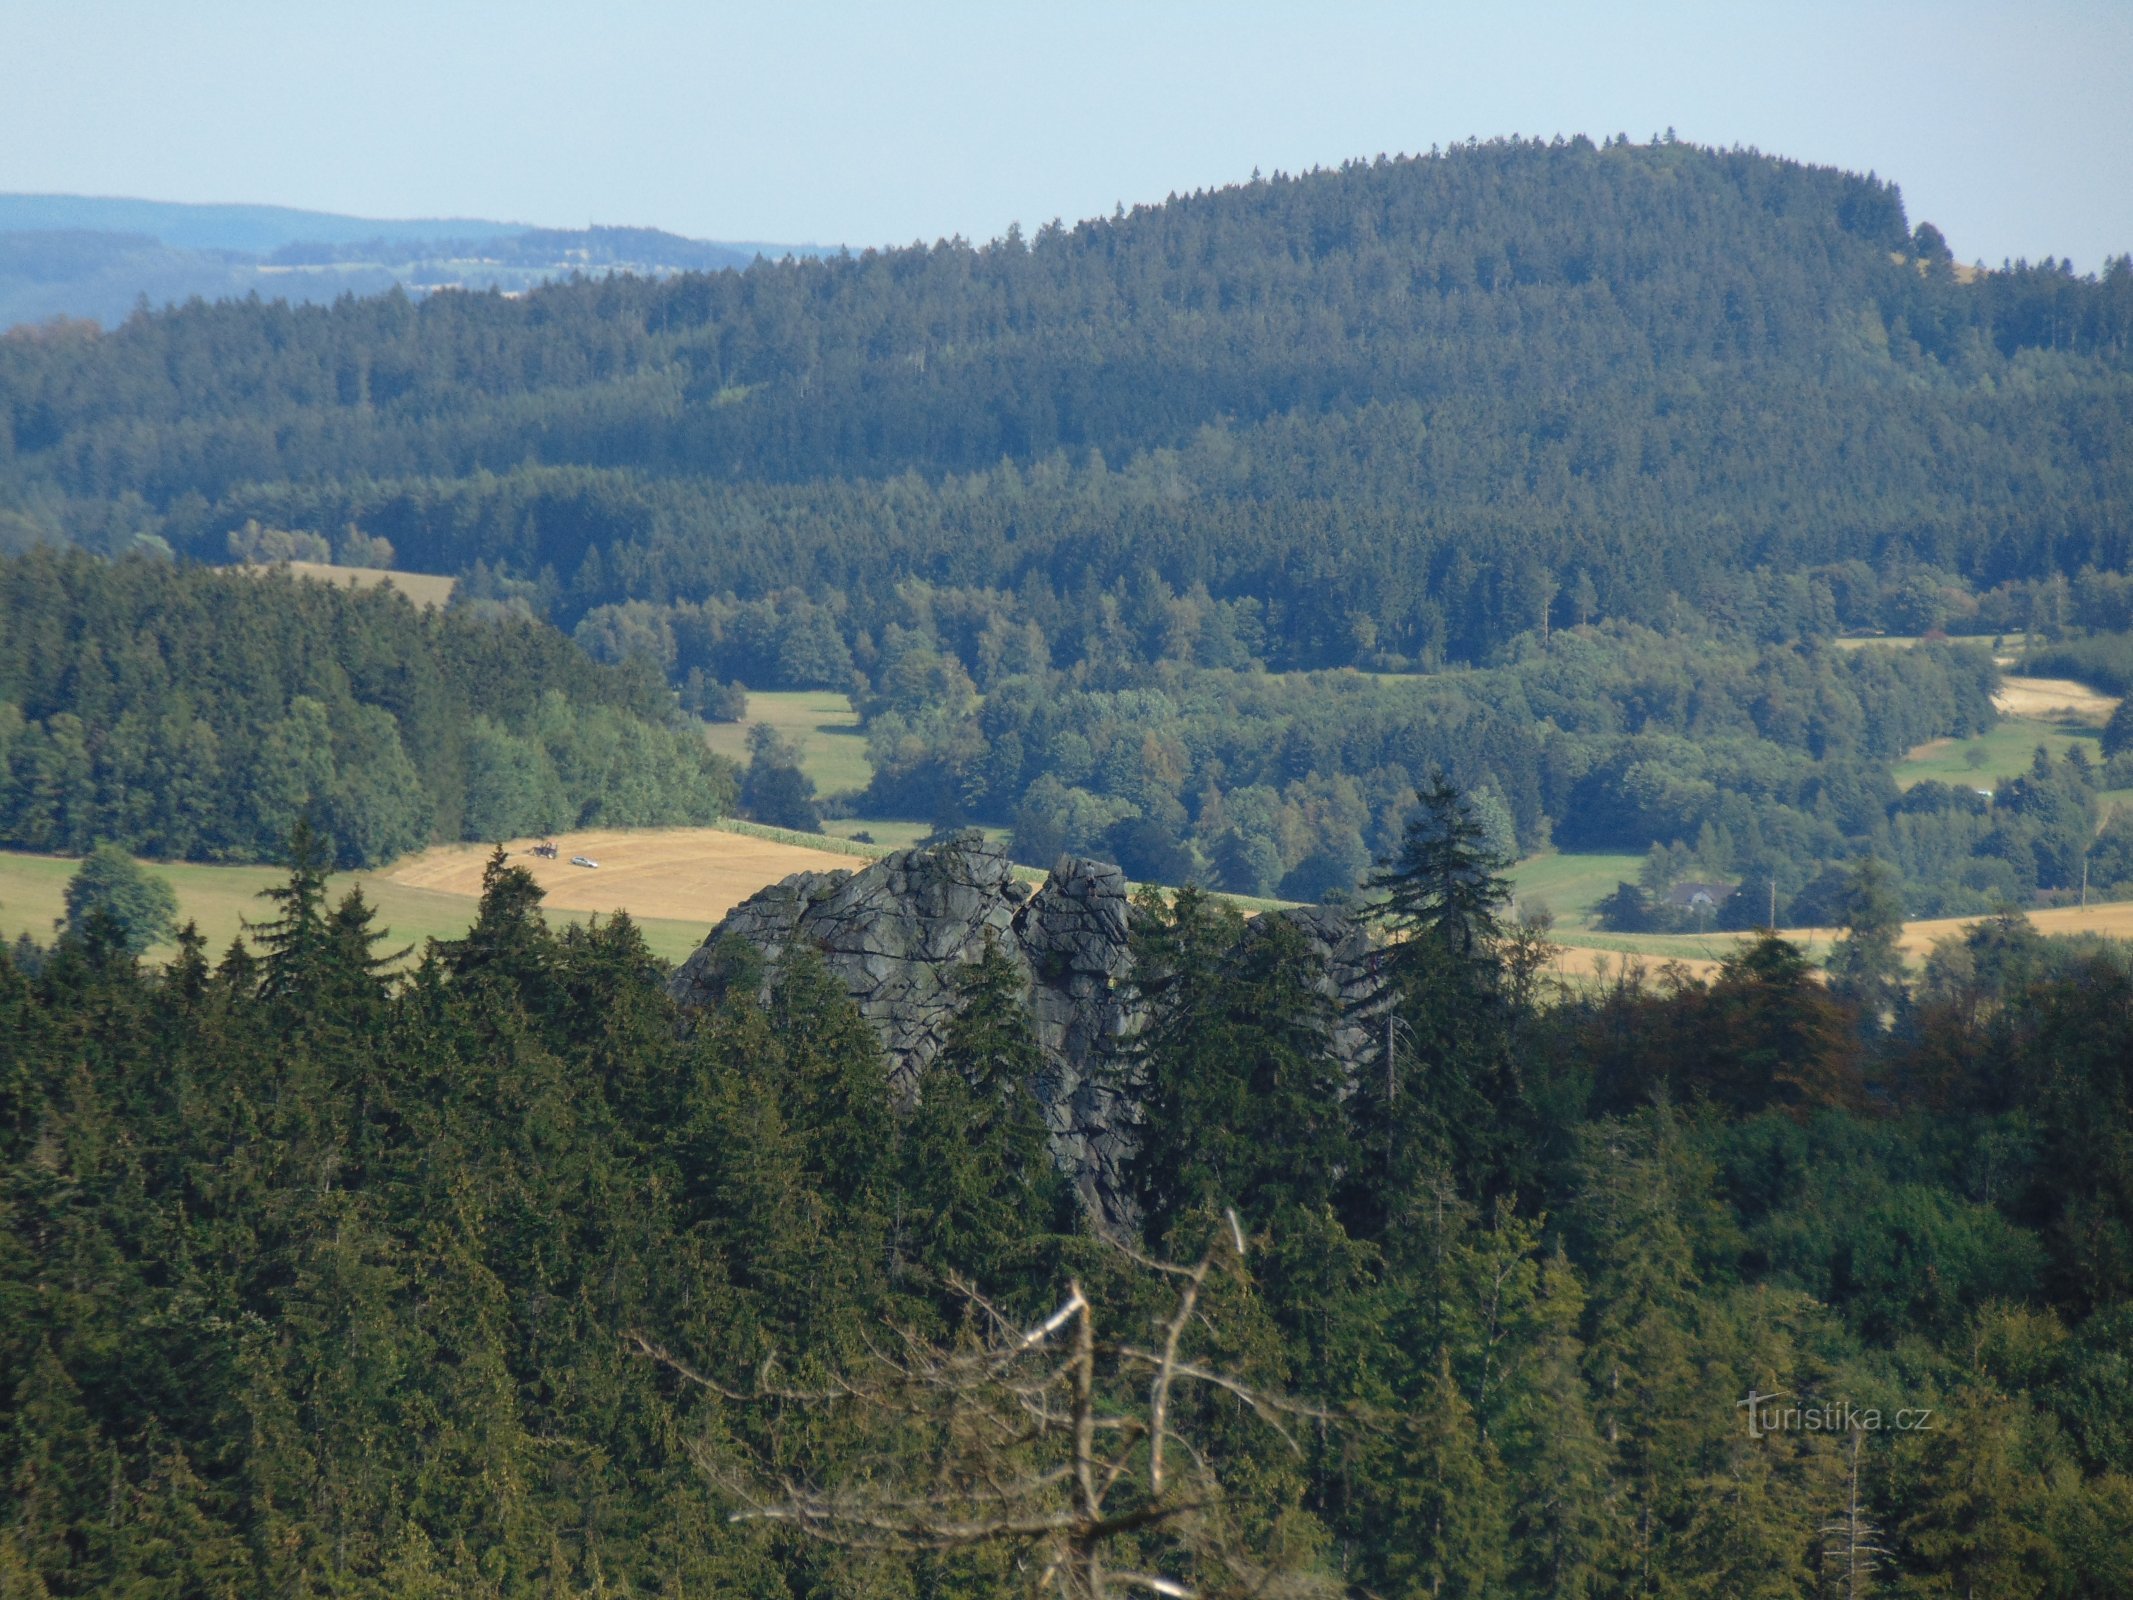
{"x": 182, "y": 712}
{"x": 1411, "y": 406}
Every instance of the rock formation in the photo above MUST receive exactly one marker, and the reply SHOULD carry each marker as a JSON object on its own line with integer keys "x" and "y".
{"x": 894, "y": 932}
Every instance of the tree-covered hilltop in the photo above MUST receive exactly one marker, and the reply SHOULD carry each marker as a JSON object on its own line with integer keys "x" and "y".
{"x": 490, "y": 1279}
{"x": 1407, "y": 406}
{"x": 1664, "y": 417}
{"x": 184, "y": 712}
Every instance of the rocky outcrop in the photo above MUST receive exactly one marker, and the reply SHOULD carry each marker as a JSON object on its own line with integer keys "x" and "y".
{"x": 894, "y": 933}
{"x": 1348, "y": 979}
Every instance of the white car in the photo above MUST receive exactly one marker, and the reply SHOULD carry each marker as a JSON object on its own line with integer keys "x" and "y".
{"x": 583, "y": 861}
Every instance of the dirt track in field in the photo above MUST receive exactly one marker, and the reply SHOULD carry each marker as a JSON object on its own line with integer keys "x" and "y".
{"x": 686, "y": 874}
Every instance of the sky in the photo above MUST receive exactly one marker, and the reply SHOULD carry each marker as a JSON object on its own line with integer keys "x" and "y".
{"x": 2010, "y": 126}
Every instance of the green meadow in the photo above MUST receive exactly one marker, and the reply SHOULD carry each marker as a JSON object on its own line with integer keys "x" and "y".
{"x": 1989, "y": 759}
{"x": 1571, "y": 885}
{"x": 820, "y": 722}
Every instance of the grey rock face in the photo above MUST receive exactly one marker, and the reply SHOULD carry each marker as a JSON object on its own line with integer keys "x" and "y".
{"x": 894, "y": 933}
{"x": 1349, "y": 979}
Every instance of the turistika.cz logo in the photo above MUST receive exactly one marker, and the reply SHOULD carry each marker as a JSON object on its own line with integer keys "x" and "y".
{"x": 1766, "y": 1416}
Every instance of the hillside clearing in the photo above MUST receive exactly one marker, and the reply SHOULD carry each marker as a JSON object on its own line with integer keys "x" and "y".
{"x": 424, "y": 588}
{"x": 1989, "y": 759}
{"x": 820, "y": 722}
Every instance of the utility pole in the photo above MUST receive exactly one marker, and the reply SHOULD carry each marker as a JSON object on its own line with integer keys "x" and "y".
{"x": 1773, "y": 902}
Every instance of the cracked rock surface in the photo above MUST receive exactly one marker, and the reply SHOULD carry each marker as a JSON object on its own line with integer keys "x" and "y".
{"x": 893, "y": 934}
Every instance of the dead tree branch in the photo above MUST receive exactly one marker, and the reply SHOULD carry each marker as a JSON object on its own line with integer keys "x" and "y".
{"x": 1066, "y": 1447}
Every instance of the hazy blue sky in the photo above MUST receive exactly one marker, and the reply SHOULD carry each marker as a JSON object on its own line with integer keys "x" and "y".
{"x": 2009, "y": 124}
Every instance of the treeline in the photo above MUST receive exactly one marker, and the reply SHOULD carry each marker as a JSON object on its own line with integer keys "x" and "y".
{"x": 1955, "y": 849}
{"x": 2102, "y": 659}
{"x": 324, "y": 1281}
{"x": 1408, "y": 408}
{"x": 1758, "y": 761}
{"x": 188, "y": 713}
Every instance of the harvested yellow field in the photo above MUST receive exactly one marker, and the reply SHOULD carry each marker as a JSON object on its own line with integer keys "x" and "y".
{"x": 220, "y": 900}
{"x": 677, "y": 874}
{"x": 1578, "y": 965}
{"x": 424, "y": 588}
{"x": 2114, "y": 919}
{"x": 2053, "y": 699}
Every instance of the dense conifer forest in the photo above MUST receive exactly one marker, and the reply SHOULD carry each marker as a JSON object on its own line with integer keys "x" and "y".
{"x": 492, "y": 1279}
{"x": 185, "y": 712}
{"x": 1424, "y": 394}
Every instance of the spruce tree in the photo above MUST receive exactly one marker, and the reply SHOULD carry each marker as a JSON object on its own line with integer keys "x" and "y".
{"x": 1242, "y": 1093}
{"x": 509, "y": 937}
{"x": 295, "y": 942}
{"x": 1445, "y": 887}
{"x": 982, "y": 1195}
{"x": 1446, "y": 1091}
{"x": 1450, "y": 1505}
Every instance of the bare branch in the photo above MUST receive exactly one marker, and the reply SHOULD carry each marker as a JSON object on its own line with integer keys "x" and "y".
{"x": 1031, "y": 1435}
{"x": 1159, "y": 1388}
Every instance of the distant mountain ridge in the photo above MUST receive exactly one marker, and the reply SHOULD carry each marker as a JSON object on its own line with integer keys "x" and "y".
{"x": 252, "y": 229}
{"x": 65, "y": 255}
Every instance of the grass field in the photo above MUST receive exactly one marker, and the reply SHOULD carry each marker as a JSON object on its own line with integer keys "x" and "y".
{"x": 2010, "y": 645}
{"x": 893, "y": 834}
{"x": 833, "y": 752}
{"x": 889, "y": 835}
{"x": 821, "y": 722}
{"x": 2057, "y": 713}
{"x": 1868, "y": 641}
{"x": 424, "y": 588}
{"x": 1570, "y": 885}
{"x": 2005, "y": 752}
